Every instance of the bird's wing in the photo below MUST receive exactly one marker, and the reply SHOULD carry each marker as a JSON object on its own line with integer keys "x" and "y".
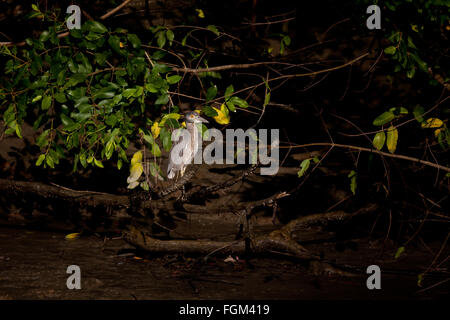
{"x": 173, "y": 167}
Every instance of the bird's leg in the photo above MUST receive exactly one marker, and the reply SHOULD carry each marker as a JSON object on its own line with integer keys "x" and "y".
{"x": 183, "y": 193}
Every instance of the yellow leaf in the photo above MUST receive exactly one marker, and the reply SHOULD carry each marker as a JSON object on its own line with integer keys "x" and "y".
{"x": 72, "y": 236}
{"x": 137, "y": 157}
{"x": 121, "y": 45}
{"x": 432, "y": 123}
{"x": 200, "y": 12}
{"x": 135, "y": 172}
{"x": 198, "y": 111}
{"x": 155, "y": 129}
{"x": 436, "y": 132}
{"x": 133, "y": 185}
{"x": 392, "y": 138}
{"x": 137, "y": 258}
{"x": 222, "y": 115}
{"x": 419, "y": 280}
{"x": 183, "y": 124}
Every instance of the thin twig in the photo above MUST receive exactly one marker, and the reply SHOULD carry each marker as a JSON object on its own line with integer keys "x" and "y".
{"x": 390, "y": 155}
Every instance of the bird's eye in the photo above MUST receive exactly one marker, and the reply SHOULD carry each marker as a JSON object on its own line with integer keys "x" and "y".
{"x": 192, "y": 116}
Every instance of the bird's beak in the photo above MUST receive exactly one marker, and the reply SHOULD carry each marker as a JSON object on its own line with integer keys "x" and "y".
{"x": 202, "y": 120}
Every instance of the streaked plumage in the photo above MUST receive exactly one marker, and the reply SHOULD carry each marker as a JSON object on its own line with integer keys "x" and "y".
{"x": 189, "y": 149}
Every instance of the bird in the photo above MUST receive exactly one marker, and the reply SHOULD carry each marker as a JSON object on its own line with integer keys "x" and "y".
{"x": 188, "y": 149}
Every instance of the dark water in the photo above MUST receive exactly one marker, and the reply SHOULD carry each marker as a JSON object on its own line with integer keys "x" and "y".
{"x": 33, "y": 266}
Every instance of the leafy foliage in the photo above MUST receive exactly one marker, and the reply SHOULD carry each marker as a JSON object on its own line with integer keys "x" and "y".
{"x": 92, "y": 92}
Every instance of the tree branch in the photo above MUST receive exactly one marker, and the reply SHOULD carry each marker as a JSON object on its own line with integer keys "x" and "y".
{"x": 390, "y": 155}
{"x": 65, "y": 34}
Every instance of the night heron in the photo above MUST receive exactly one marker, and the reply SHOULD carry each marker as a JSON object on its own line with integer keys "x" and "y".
{"x": 183, "y": 152}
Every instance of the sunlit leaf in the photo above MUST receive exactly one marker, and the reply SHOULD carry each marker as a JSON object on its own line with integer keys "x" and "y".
{"x": 40, "y": 159}
{"x": 133, "y": 184}
{"x": 390, "y": 50}
{"x": 432, "y": 123}
{"x": 135, "y": 172}
{"x": 399, "y": 252}
{"x": 155, "y": 129}
{"x": 304, "y": 167}
{"x": 379, "y": 139}
{"x": 353, "y": 183}
{"x": 213, "y": 29}
{"x": 200, "y": 13}
{"x": 384, "y": 118}
{"x": 392, "y": 139}
{"x": 222, "y": 115}
{"x": 137, "y": 157}
{"x": 98, "y": 163}
{"x": 72, "y": 236}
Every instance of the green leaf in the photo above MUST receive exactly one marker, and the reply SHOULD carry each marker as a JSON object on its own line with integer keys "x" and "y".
{"x": 161, "y": 68}
{"x": 384, "y": 118}
{"x": 49, "y": 161}
{"x": 98, "y": 163}
{"x": 144, "y": 186}
{"x": 418, "y": 112}
{"x": 161, "y": 38}
{"x": 422, "y": 64}
{"x": 420, "y": 279}
{"x": 139, "y": 91}
{"x": 127, "y": 93}
{"x": 183, "y": 41}
{"x": 213, "y": 29}
{"x": 165, "y": 136}
{"x": 209, "y": 111}
{"x": 231, "y": 106}
{"x": 238, "y": 101}
{"x": 46, "y": 102}
{"x": 66, "y": 120}
{"x": 134, "y": 40}
{"x": 94, "y": 26}
{"x": 173, "y": 79}
{"x": 162, "y": 99}
{"x": 155, "y": 171}
{"x": 353, "y": 184}
{"x": 304, "y": 166}
{"x": 168, "y": 116}
{"x": 37, "y": 98}
{"x": 40, "y": 160}
{"x": 411, "y": 72}
{"x": 379, "y": 140}
{"x": 398, "y": 110}
{"x": 114, "y": 42}
{"x": 211, "y": 93}
{"x": 390, "y": 50}
{"x": 18, "y": 131}
{"x": 44, "y": 36}
{"x": 229, "y": 91}
{"x": 42, "y": 141}
{"x": 170, "y": 36}
{"x": 392, "y": 139}
{"x": 155, "y": 150}
{"x": 60, "y": 97}
{"x": 399, "y": 252}
{"x": 267, "y": 99}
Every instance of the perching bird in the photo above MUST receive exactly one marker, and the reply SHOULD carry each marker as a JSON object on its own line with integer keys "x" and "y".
{"x": 186, "y": 150}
